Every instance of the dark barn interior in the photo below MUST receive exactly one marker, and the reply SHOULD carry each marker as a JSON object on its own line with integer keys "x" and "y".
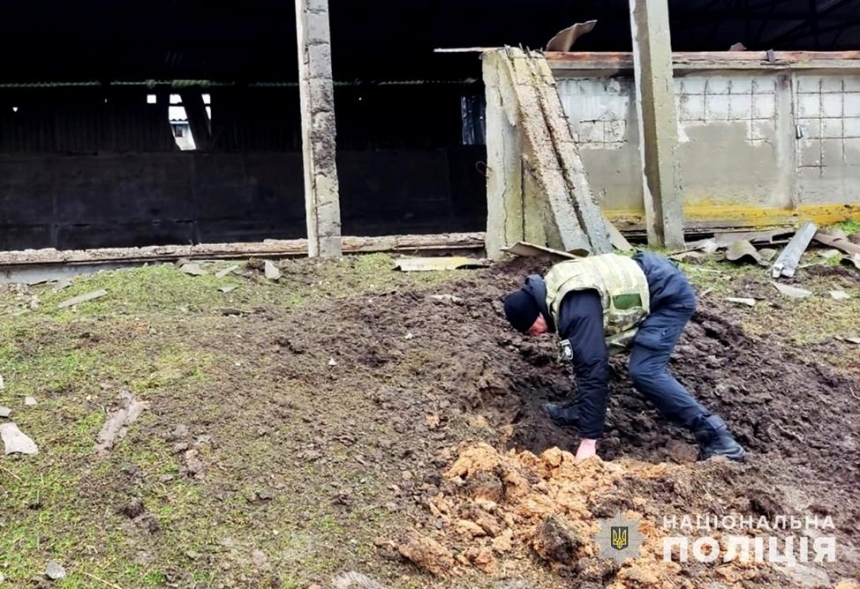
{"x": 88, "y": 156}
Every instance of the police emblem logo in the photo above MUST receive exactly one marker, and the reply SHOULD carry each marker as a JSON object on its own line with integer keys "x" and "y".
{"x": 619, "y": 538}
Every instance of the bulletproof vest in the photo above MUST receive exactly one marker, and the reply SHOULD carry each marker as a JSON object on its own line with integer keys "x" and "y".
{"x": 623, "y": 292}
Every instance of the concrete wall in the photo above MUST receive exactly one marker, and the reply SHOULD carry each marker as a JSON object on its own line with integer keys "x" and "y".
{"x": 118, "y": 200}
{"x": 754, "y": 147}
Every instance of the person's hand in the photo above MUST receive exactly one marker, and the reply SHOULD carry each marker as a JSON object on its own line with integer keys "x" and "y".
{"x": 587, "y": 449}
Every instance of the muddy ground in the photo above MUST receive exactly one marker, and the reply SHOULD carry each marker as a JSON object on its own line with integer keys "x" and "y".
{"x": 287, "y": 444}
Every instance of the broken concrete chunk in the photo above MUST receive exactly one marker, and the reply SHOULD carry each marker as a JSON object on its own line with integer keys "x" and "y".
{"x": 767, "y": 254}
{"x": 829, "y": 253}
{"x": 786, "y": 263}
{"x": 747, "y": 302}
{"x": 436, "y": 264}
{"x": 62, "y": 284}
{"x": 15, "y": 441}
{"x": 5, "y": 412}
{"x": 2, "y": 383}
{"x": 354, "y": 580}
{"x": 449, "y": 299}
{"x": 228, "y": 288}
{"x": 792, "y": 291}
{"x": 193, "y": 269}
{"x": 694, "y": 256}
{"x": 29, "y": 401}
{"x": 117, "y": 422}
{"x": 855, "y": 238}
{"x": 55, "y": 571}
{"x": 90, "y": 296}
{"x": 743, "y": 251}
{"x": 853, "y": 340}
{"x": 226, "y": 271}
{"x": 852, "y": 260}
{"x": 272, "y": 272}
{"x": 839, "y": 295}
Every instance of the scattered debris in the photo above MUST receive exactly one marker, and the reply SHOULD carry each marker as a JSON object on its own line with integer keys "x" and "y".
{"x": 737, "y": 47}
{"x": 565, "y": 38}
{"x": 616, "y": 238}
{"x": 62, "y": 284}
{"x": 767, "y": 254}
{"x": 193, "y": 269}
{"x": 15, "y": 441}
{"x": 693, "y": 256}
{"x": 446, "y": 298}
{"x": 90, "y": 296}
{"x": 228, "y": 288}
{"x": 525, "y": 249}
{"x": 839, "y": 295}
{"x": 852, "y": 260}
{"x": 117, "y": 422}
{"x": 743, "y": 251}
{"x": 786, "y": 263}
{"x": 740, "y": 301}
{"x": 792, "y": 291}
{"x": 5, "y": 412}
{"x": 55, "y": 571}
{"x": 332, "y": 362}
{"x": 30, "y": 401}
{"x": 354, "y": 579}
{"x": 226, "y": 271}
{"x": 2, "y": 383}
{"x": 231, "y": 312}
{"x": 428, "y": 554}
{"x": 272, "y": 272}
{"x": 829, "y": 254}
{"x": 436, "y": 264}
{"x": 854, "y": 238}
{"x": 853, "y": 340}
{"x": 840, "y": 242}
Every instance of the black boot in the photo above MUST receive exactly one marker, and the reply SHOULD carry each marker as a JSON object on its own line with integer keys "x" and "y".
{"x": 565, "y": 415}
{"x": 715, "y": 440}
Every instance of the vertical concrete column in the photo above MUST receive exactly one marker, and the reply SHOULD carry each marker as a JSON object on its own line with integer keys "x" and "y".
{"x": 658, "y": 132}
{"x": 316, "y": 87}
{"x": 506, "y": 215}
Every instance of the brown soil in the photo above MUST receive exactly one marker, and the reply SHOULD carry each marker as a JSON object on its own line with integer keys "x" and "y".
{"x": 384, "y": 430}
{"x": 431, "y": 371}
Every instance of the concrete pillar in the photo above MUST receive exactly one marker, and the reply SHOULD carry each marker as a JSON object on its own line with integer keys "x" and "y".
{"x": 316, "y": 87}
{"x": 506, "y": 214}
{"x": 658, "y": 133}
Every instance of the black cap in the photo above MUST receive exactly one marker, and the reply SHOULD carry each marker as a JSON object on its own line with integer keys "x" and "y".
{"x": 522, "y": 310}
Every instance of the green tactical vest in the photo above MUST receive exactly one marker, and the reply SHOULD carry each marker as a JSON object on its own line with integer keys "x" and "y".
{"x": 623, "y": 291}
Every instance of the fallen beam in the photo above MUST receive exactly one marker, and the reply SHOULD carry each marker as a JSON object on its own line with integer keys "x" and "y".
{"x": 787, "y": 262}
{"x": 268, "y": 249}
{"x": 837, "y": 242}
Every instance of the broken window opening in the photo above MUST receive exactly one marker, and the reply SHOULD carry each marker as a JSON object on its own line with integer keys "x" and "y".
{"x": 181, "y": 124}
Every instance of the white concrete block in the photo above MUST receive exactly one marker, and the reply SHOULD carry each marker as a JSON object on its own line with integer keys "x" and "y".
{"x": 761, "y": 131}
{"x": 831, "y": 105}
{"x": 615, "y": 131}
{"x": 831, "y": 128}
{"x": 691, "y": 85}
{"x": 741, "y": 107}
{"x": 764, "y": 106}
{"x": 742, "y": 85}
{"x": 691, "y": 107}
{"x": 851, "y": 105}
{"x": 851, "y": 83}
{"x": 810, "y": 153}
{"x": 831, "y": 152}
{"x": 765, "y": 85}
{"x": 831, "y": 84}
{"x": 717, "y": 107}
{"x": 810, "y": 128}
{"x": 809, "y": 105}
{"x": 851, "y": 127}
{"x": 717, "y": 85}
{"x": 589, "y": 132}
{"x": 808, "y": 83}
{"x": 851, "y": 153}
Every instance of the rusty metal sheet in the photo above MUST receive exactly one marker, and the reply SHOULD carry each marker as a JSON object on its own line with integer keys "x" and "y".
{"x": 564, "y": 39}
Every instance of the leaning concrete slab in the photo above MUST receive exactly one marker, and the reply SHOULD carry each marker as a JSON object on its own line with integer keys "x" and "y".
{"x": 655, "y": 103}
{"x": 318, "y": 128}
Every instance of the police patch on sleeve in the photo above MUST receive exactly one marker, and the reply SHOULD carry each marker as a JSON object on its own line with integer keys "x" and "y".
{"x": 565, "y": 351}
